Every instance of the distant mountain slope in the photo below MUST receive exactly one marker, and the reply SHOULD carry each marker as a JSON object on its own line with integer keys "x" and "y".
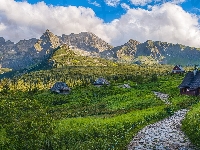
{"x": 16, "y": 55}
{"x": 124, "y": 52}
{"x": 30, "y": 52}
{"x": 151, "y": 52}
{"x": 60, "y": 57}
{"x": 168, "y": 53}
{"x": 26, "y": 53}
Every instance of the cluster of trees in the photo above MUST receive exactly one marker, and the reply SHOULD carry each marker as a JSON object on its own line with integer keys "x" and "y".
{"x": 83, "y": 76}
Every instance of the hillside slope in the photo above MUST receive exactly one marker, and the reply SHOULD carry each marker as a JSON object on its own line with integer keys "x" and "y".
{"x": 154, "y": 52}
{"x": 65, "y": 56}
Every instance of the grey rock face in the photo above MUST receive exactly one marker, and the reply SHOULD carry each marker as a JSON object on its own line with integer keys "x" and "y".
{"x": 101, "y": 81}
{"x": 27, "y": 52}
{"x": 2, "y": 41}
{"x": 155, "y": 51}
{"x": 86, "y": 41}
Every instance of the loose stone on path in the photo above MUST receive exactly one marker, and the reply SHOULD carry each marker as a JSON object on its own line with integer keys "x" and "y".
{"x": 163, "y": 135}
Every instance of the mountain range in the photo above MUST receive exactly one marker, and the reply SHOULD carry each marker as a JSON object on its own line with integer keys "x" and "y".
{"x": 26, "y": 53}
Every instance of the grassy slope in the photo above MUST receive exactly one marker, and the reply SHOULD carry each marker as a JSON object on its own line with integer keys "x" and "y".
{"x": 97, "y": 109}
{"x": 104, "y": 133}
{"x": 89, "y": 117}
{"x": 66, "y": 57}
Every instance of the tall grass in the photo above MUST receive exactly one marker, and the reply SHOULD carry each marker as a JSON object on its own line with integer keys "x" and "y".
{"x": 191, "y": 125}
{"x": 108, "y": 133}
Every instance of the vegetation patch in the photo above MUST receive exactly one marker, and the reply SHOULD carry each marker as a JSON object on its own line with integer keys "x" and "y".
{"x": 108, "y": 133}
{"x": 191, "y": 125}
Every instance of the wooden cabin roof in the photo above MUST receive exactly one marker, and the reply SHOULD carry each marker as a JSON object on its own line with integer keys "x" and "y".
{"x": 192, "y": 81}
{"x": 178, "y": 67}
{"x": 195, "y": 83}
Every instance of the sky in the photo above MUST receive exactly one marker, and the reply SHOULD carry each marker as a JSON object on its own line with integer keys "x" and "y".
{"x": 115, "y": 21}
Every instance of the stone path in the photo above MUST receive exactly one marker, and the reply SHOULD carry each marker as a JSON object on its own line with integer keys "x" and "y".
{"x": 162, "y": 96}
{"x": 163, "y": 135}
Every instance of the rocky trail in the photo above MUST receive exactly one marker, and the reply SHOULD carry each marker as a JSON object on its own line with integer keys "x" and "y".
{"x": 163, "y": 135}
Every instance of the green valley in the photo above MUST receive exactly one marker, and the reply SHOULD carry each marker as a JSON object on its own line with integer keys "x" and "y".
{"x": 88, "y": 117}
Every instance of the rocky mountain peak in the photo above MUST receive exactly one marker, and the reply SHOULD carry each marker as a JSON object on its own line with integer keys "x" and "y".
{"x": 48, "y": 34}
{"x": 46, "y": 41}
{"x": 2, "y": 41}
{"x": 131, "y": 43}
{"x": 50, "y": 37}
{"x": 86, "y": 41}
{"x": 9, "y": 42}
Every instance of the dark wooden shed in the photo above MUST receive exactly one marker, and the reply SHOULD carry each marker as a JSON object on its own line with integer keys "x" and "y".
{"x": 178, "y": 69}
{"x": 191, "y": 83}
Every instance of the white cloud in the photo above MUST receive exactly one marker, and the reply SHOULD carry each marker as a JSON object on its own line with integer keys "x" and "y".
{"x": 177, "y": 1}
{"x": 23, "y": 20}
{"x": 196, "y": 10}
{"x": 146, "y": 2}
{"x": 112, "y": 3}
{"x": 2, "y": 27}
{"x": 167, "y": 23}
{"x": 125, "y": 6}
{"x": 149, "y": 7}
{"x": 94, "y": 3}
{"x": 140, "y": 2}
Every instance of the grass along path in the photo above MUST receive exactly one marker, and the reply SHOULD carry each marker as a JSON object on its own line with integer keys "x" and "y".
{"x": 108, "y": 133}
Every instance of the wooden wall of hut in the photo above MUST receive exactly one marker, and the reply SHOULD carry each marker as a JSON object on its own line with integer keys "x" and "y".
{"x": 185, "y": 91}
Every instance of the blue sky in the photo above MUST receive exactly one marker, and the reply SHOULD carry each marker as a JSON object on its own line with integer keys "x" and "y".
{"x": 115, "y": 21}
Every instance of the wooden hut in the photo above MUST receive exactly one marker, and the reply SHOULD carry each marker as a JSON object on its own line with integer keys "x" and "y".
{"x": 60, "y": 88}
{"x": 191, "y": 83}
{"x": 178, "y": 69}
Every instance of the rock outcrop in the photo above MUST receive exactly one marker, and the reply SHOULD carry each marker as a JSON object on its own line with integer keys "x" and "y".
{"x": 60, "y": 88}
{"x": 86, "y": 41}
{"x": 27, "y": 52}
